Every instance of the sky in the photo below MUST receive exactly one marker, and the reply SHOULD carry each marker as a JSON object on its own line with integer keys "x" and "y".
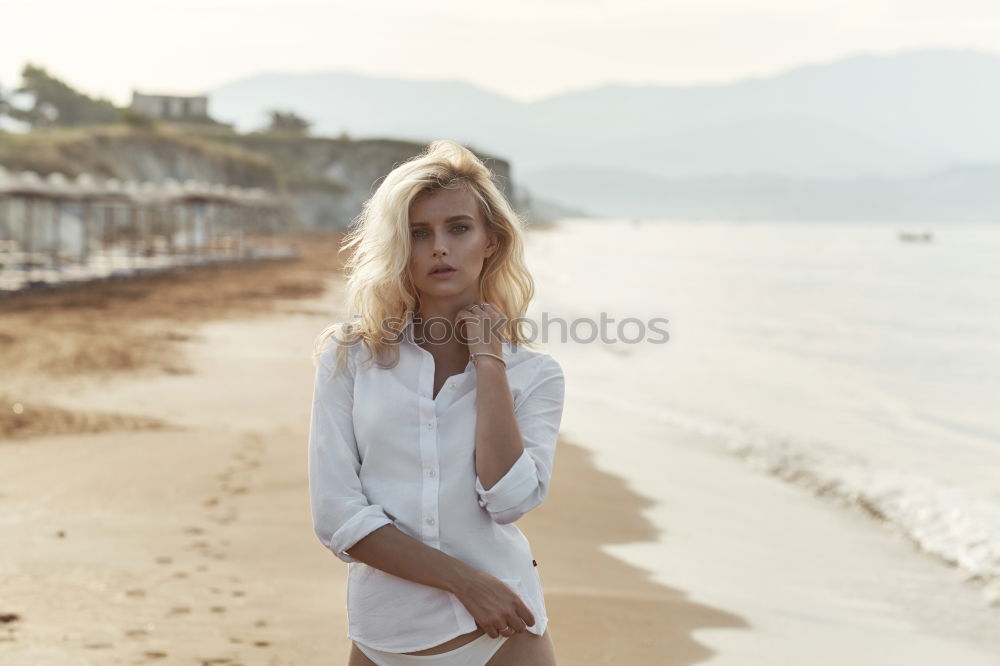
{"x": 525, "y": 49}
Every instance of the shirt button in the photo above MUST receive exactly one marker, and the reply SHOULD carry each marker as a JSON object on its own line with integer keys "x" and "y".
{"x": 430, "y": 425}
{"x": 451, "y": 386}
{"x": 430, "y": 521}
{"x": 432, "y": 473}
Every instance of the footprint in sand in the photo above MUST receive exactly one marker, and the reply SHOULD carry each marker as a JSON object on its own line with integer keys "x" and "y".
{"x": 205, "y": 552}
{"x": 135, "y": 593}
{"x": 218, "y": 609}
{"x": 9, "y": 619}
{"x": 137, "y": 633}
{"x": 204, "y": 549}
{"x": 180, "y": 574}
{"x": 193, "y": 530}
{"x": 178, "y": 610}
{"x": 239, "y": 593}
{"x": 98, "y": 646}
{"x": 201, "y": 567}
{"x": 261, "y": 643}
{"x": 154, "y": 654}
{"x": 260, "y": 623}
{"x": 216, "y": 660}
{"x": 211, "y": 501}
{"x": 253, "y": 442}
{"x": 164, "y": 559}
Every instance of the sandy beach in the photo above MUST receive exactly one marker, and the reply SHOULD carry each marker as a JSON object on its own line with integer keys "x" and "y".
{"x": 156, "y": 511}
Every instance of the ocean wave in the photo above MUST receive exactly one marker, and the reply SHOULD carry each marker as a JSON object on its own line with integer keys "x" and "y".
{"x": 953, "y": 524}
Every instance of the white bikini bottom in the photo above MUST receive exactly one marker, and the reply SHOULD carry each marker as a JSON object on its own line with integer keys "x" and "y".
{"x": 475, "y": 653}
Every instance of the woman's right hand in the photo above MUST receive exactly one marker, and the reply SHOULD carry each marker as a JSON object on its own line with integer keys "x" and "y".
{"x": 493, "y": 604}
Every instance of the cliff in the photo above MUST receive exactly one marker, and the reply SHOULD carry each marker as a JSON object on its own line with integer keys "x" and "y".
{"x": 125, "y": 153}
{"x": 329, "y": 178}
{"x": 326, "y": 179}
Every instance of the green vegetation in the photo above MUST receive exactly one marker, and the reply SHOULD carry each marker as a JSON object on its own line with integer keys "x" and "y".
{"x": 287, "y": 122}
{"x": 74, "y": 133}
{"x": 56, "y": 103}
{"x": 112, "y": 151}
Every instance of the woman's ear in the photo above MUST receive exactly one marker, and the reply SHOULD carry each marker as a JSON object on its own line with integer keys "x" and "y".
{"x": 493, "y": 245}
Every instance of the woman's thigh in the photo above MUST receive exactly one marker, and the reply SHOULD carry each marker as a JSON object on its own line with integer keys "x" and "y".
{"x": 525, "y": 649}
{"x": 358, "y": 658}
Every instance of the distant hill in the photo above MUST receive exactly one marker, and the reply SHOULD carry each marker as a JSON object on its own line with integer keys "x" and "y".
{"x": 965, "y": 194}
{"x": 846, "y": 127}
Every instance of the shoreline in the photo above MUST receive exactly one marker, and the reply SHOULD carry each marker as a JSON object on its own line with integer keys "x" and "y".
{"x": 832, "y": 586}
{"x": 621, "y": 614}
{"x": 195, "y": 542}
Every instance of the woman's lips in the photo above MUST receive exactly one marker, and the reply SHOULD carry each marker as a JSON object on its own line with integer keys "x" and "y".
{"x": 441, "y": 275}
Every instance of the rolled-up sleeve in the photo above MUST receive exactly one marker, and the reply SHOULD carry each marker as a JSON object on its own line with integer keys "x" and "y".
{"x": 526, "y": 483}
{"x": 341, "y": 513}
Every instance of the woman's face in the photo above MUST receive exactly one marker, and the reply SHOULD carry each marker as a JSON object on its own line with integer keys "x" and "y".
{"x": 446, "y": 226}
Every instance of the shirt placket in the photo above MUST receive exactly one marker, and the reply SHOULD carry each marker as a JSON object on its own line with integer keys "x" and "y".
{"x": 430, "y": 468}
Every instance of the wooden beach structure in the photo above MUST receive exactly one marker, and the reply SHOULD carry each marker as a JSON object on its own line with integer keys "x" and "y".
{"x": 55, "y": 230}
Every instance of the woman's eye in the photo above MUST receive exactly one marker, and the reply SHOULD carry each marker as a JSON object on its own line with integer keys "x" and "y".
{"x": 416, "y": 232}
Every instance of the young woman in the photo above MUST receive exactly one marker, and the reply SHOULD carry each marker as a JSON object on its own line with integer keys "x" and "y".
{"x": 433, "y": 426}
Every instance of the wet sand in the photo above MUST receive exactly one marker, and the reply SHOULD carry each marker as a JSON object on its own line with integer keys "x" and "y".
{"x": 188, "y": 540}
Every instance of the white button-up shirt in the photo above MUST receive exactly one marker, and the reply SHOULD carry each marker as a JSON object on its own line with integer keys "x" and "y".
{"x": 383, "y": 451}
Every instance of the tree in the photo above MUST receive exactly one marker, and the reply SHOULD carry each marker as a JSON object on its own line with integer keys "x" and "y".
{"x": 288, "y": 121}
{"x": 56, "y": 103}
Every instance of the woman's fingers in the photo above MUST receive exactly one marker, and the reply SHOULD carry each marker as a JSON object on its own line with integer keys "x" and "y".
{"x": 524, "y": 614}
{"x": 496, "y": 605}
{"x": 517, "y": 624}
{"x": 490, "y": 630}
{"x": 478, "y": 322}
{"x": 520, "y": 619}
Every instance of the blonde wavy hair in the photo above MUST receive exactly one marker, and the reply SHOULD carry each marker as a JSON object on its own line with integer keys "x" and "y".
{"x": 380, "y": 291}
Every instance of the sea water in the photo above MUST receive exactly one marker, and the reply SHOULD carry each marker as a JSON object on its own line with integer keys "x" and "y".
{"x": 832, "y": 355}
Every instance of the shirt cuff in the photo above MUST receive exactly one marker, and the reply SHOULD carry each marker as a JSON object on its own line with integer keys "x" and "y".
{"x": 512, "y": 488}
{"x": 360, "y": 525}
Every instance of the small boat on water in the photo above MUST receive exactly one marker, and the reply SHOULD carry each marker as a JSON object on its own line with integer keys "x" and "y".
{"x": 916, "y": 237}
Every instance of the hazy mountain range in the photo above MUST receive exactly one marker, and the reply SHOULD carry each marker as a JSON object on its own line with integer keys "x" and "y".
{"x": 908, "y": 136}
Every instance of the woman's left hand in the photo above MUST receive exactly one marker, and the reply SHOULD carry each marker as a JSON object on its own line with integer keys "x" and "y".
{"x": 482, "y": 325}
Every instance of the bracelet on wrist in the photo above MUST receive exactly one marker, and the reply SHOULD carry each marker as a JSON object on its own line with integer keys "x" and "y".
{"x": 475, "y": 360}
